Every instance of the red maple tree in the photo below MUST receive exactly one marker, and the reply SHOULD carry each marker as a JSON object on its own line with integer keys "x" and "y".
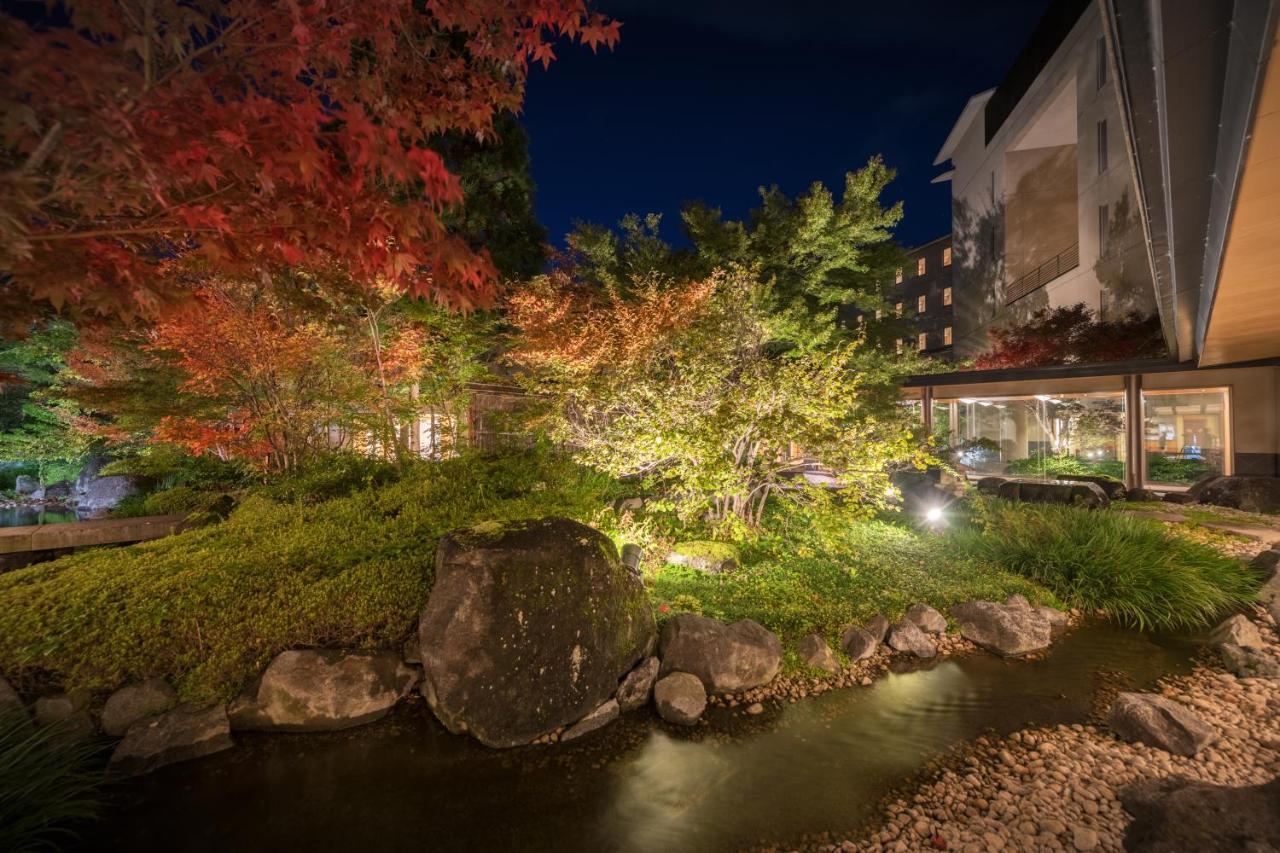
{"x": 1072, "y": 335}
{"x": 145, "y": 141}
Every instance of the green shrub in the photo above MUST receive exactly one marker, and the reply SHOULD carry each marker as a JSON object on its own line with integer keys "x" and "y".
{"x": 1162, "y": 469}
{"x": 1110, "y": 562}
{"x": 334, "y": 476}
{"x": 1055, "y": 466}
{"x": 48, "y": 785}
{"x": 208, "y": 608}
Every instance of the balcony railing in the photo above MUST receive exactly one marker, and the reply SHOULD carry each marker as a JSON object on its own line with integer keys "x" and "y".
{"x": 1063, "y": 262}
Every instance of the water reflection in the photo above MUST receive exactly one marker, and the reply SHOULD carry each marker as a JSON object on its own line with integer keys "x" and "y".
{"x": 20, "y": 516}
{"x": 821, "y": 764}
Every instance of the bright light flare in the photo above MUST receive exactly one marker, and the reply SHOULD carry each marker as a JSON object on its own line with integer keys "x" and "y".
{"x": 933, "y": 515}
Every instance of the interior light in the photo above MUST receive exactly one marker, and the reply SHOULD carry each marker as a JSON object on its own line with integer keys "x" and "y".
{"x": 1043, "y": 398}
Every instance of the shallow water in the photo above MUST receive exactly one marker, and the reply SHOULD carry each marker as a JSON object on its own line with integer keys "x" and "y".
{"x": 20, "y": 516}
{"x": 819, "y": 764}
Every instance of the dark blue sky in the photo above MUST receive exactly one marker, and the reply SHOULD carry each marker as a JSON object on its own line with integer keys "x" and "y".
{"x": 710, "y": 99}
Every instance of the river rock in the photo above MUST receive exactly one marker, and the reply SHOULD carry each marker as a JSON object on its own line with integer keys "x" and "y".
{"x": 1252, "y": 494}
{"x": 103, "y": 493}
{"x": 26, "y": 485}
{"x": 1160, "y": 722}
{"x": 727, "y": 658}
{"x": 1237, "y": 631}
{"x": 135, "y": 702}
{"x": 597, "y": 719}
{"x": 878, "y": 627}
{"x": 905, "y": 636}
{"x": 69, "y": 712}
{"x": 1265, "y": 564}
{"x": 178, "y": 735}
{"x": 927, "y": 619}
{"x": 989, "y": 485}
{"x": 858, "y": 643}
{"x": 814, "y": 651}
{"x": 58, "y": 491}
{"x": 1248, "y": 663}
{"x": 1269, "y": 596}
{"x": 1142, "y": 495}
{"x": 1001, "y": 629}
{"x": 10, "y": 701}
{"x": 530, "y": 626}
{"x": 637, "y": 687}
{"x": 1175, "y": 815}
{"x": 1088, "y": 495}
{"x": 1057, "y": 620}
{"x": 323, "y": 690}
{"x": 680, "y": 698}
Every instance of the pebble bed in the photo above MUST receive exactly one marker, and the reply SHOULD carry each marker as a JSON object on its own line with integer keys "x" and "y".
{"x": 1056, "y": 788}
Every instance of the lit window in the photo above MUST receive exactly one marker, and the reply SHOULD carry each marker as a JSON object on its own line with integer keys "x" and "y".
{"x": 946, "y": 296}
{"x": 922, "y": 304}
{"x": 879, "y": 313}
{"x": 946, "y": 256}
{"x": 946, "y": 336}
{"x": 920, "y": 266}
{"x": 1102, "y": 146}
{"x": 898, "y": 343}
{"x": 922, "y": 340}
{"x": 897, "y": 276}
{"x": 897, "y": 310}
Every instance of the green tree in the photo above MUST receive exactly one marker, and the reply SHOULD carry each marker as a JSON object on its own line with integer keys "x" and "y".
{"x": 38, "y": 424}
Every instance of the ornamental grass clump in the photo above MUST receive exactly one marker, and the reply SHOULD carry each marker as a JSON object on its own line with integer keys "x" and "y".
{"x": 1106, "y": 562}
{"x": 48, "y": 785}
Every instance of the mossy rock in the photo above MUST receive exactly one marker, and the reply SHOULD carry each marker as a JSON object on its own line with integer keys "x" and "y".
{"x": 705, "y": 556}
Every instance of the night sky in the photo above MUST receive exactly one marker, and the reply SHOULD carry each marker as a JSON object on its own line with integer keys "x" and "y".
{"x": 710, "y": 99}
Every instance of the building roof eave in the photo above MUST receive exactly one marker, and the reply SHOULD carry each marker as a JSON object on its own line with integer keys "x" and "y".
{"x": 972, "y": 110}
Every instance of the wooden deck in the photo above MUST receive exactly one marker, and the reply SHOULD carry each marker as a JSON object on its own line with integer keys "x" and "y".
{"x": 82, "y": 534}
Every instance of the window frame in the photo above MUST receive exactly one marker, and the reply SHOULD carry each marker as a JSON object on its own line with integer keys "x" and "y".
{"x": 946, "y": 296}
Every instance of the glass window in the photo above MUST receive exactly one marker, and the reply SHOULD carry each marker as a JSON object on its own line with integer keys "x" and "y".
{"x": 897, "y": 276}
{"x": 898, "y": 344}
{"x": 920, "y": 266}
{"x": 922, "y": 341}
{"x": 1102, "y": 62}
{"x": 946, "y": 296}
{"x": 1102, "y": 146}
{"x": 897, "y": 310}
{"x": 879, "y": 313}
{"x": 946, "y": 256}
{"x": 922, "y": 304}
{"x": 1185, "y": 434}
{"x": 946, "y": 336}
{"x": 1041, "y": 436}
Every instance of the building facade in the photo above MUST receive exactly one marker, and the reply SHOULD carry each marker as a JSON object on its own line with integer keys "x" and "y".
{"x": 1129, "y": 160}
{"x": 918, "y": 312}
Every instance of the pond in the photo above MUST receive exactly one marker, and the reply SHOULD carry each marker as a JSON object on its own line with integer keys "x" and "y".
{"x": 817, "y": 765}
{"x": 21, "y": 516}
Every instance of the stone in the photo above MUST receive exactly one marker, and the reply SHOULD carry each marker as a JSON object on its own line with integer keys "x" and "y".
{"x": 1084, "y": 839}
{"x": 305, "y": 690}
{"x": 1248, "y": 663}
{"x": 178, "y": 735}
{"x": 637, "y": 687}
{"x": 927, "y": 619}
{"x": 1177, "y": 498}
{"x": 1159, "y": 722}
{"x": 1058, "y": 621}
{"x": 858, "y": 643}
{"x": 727, "y": 658}
{"x": 711, "y": 557}
{"x": 1172, "y": 815}
{"x": 1003, "y": 630}
{"x": 755, "y": 709}
{"x": 1237, "y": 631}
{"x": 1055, "y": 491}
{"x": 1252, "y": 494}
{"x": 1142, "y": 495}
{"x": 815, "y": 652}
{"x": 10, "y": 701}
{"x": 1198, "y": 486}
{"x": 990, "y": 485}
{"x": 26, "y": 485}
{"x": 135, "y": 702}
{"x": 1113, "y": 488}
{"x": 906, "y": 636}
{"x": 680, "y": 698}
{"x": 58, "y": 491}
{"x": 878, "y": 627}
{"x": 103, "y": 493}
{"x": 597, "y": 719}
{"x": 1018, "y": 601}
{"x": 1266, "y": 564}
{"x": 1269, "y": 596}
{"x": 530, "y": 626}
{"x": 69, "y": 712}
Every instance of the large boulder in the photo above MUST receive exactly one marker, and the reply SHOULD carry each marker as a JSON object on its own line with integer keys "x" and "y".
{"x": 530, "y": 626}
{"x": 815, "y": 652}
{"x": 1054, "y": 492}
{"x": 103, "y": 493}
{"x": 1247, "y": 662}
{"x": 1113, "y": 488}
{"x": 906, "y": 636}
{"x": 927, "y": 619}
{"x": 637, "y": 687}
{"x": 1175, "y": 815}
{"x": 1006, "y": 630}
{"x": 68, "y": 713}
{"x": 178, "y": 735}
{"x": 858, "y": 643}
{"x": 58, "y": 491}
{"x": 27, "y": 486}
{"x": 727, "y": 658}
{"x": 1159, "y": 722}
{"x": 680, "y": 698}
{"x": 135, "y": 702}
{"x": 1253, "y": 494}
{"x": 1237, "y": 631}
{"x": 304, "y": 690}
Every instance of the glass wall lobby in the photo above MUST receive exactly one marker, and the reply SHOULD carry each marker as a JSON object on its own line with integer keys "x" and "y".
{"x": 1184, "y": 434}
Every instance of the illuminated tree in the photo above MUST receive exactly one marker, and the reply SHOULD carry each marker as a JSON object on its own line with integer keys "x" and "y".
{"x": 1072, "y": 335}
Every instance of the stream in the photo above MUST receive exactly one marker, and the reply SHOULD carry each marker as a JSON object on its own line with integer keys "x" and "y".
{"x": 821, "y": 764}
